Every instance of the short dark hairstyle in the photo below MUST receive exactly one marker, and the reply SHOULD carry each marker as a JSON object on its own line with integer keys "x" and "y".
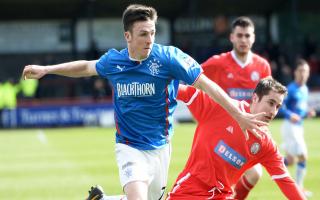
{"x": 300, "y": 62}
{"x": 137, "y": 12}
{"x": 267, "y": 84}
{"x": 243, "y": 22}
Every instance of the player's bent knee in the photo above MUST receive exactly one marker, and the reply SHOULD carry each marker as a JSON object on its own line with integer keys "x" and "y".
{"x": 253, "y": 175}
{"x": 136, "y": 190}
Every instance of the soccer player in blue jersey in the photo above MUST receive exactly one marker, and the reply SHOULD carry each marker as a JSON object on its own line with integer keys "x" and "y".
{"x": 144, "y": 77}
{"x": 295, "y": 109}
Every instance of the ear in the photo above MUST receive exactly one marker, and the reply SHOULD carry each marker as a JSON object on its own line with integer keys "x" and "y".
{"x": 254, "y": 38}
{"x": 127, "y": 36}
{"x": 255, "y": 98}
{"x": 231, "y": 37}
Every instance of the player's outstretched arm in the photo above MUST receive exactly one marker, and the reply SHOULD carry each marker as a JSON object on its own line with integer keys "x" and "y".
{"x": 290, "y": 189}
{"x": 246, "y": 121}
{"x": 79, "y": 68}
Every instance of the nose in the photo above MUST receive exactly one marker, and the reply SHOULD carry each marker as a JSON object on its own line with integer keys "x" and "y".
{"x": 274, "y": 111}
{"x": 149, "y": 38}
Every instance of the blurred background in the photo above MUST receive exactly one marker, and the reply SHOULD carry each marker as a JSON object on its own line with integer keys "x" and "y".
{"x": 55, "y": 31}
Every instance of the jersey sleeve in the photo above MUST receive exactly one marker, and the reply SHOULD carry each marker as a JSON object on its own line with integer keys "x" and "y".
{"x": 273, "y": 162}
{"x": 102, "y": 64}
{"x": 267, "y": 71}
{"x": 210, "y": 67}
{"x": 183, "y": 67}
{"x": 197, "y": 101}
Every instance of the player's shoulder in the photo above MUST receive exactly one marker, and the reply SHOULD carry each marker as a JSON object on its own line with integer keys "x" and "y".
{"x": 259, "y": 59}
{"x": 164, "y": 52}
{"x": 218, "y": 59}
{"x": 159, "y": 48}
{"x": 266, "y": 137}
{"x": 222, "y": 56}
{"x": 116, "y": 54}
{"x": 292, "y": 86}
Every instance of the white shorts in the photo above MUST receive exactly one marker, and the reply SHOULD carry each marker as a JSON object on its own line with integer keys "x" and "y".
{"x": 293, "y": 139}
{"x": 150, "y": 165}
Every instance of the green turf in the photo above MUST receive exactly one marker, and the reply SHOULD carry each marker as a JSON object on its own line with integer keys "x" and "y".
{"x": 63, "y": 163}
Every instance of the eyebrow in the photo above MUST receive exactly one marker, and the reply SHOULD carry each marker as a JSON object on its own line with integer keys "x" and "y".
{"x": 274, "y": 101}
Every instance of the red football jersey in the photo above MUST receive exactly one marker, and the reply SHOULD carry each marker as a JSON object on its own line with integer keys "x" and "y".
{"x": 238, "y": 80}
{"x": 220, "y": 153}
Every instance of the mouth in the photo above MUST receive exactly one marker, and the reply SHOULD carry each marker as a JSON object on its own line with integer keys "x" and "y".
{"x": 268, "y": 118}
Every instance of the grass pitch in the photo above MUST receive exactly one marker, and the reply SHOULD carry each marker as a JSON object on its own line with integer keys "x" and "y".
{"x": 63, "y": 163}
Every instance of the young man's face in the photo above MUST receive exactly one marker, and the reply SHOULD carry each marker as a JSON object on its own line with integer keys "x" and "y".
{"x": 269, "y": 104}
{"x": 301, "y": 74}
{"x": 140, "y": 39}
{"x": 242, "y": 39}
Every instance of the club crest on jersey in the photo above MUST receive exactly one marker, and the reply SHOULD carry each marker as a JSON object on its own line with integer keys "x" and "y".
{"x": 229, "y": 155}
{"x": 255, "y": 148}
{"x": 154, "y": 66}
{"x": 255, "y": 76}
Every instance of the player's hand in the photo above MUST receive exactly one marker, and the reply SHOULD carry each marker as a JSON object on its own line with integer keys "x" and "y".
{"x": 250, "y": 122}
{"x": 312, "y": 113}
{"x": 33, "y": 72}
{"x": 294, "y": 118}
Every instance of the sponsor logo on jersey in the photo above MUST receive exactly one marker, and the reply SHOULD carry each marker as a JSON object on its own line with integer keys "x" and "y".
{"x": 240, "y": 94}
{"x": 255, "y": 148}
{"x": 135, "y": 89}
{"x": 154, "y": 66}
{"x": 255, "y": 76}
{"x": 229, "y": 155}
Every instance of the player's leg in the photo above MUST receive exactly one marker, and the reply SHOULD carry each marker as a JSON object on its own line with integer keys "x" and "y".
{"x": 160, "y": 162}
{"x": 289, "y": 159}
{"x": 136, "y": 190}
{"x": 301, "y": 168}
{"x": 133, "y": 171}
{"x": 249, "y": 179}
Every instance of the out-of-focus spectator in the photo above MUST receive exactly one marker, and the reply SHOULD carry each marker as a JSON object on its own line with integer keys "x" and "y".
{"x": 285, "y": 72}
{"x": 28, "y": 88}
{"x": 99, "y": 92}
{"x": 9, "y": 92}
{"x": 314, "y": 63}
{"x": 310, "y": 46}
{"x": 1, "y": 103}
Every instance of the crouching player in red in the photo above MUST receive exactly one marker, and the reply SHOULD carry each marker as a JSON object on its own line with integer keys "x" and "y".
{"x": 221, "y": 153}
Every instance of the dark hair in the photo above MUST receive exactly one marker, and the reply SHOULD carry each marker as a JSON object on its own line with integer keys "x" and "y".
{"x": 300, "y": 62}
{"x": 267, "y": 84}
{"x": 243, "y": 22}
{"x": 137, "y": 12}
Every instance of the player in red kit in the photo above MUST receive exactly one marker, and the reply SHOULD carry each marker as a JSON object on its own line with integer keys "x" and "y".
{"x": 238, "y": 72}
{"x": 221, "y": 153}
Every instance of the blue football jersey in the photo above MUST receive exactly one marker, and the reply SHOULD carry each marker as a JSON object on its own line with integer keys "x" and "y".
{"x": 144, "y": 93}
{"x": 296, "y": 101}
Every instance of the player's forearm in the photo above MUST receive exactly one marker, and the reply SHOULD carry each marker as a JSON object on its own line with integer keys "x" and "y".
{"x": 79, "y": 68}
{"x": 218, "y": 95}
{"x": 290, "y": 189}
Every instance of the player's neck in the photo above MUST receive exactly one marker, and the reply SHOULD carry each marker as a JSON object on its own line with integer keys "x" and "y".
{"x": 135, "y": 57}
{"x": 242, "y": 59}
